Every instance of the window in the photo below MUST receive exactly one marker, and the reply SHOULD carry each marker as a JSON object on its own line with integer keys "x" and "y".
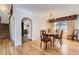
{"x": 61, "y": 25}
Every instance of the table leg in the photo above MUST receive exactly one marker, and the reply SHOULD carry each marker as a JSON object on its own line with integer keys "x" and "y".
{"x": 53, "y": 42}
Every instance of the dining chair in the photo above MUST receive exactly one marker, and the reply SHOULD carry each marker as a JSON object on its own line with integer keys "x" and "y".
{"x": 44, "y": 38}
{"x": 59, "y": 36}
{"x": 74, "y": 35}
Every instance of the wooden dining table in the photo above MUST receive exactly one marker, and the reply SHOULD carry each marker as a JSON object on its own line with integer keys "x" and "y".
{"x": 50, "y": 35}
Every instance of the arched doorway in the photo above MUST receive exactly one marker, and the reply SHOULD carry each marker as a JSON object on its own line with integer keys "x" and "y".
{"x": 26, "y": 29}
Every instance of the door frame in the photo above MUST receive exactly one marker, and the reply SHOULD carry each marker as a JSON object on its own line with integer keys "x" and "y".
{"x": 22, "y": 26}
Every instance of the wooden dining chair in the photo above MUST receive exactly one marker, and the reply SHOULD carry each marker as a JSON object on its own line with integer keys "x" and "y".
{"x": 59, "y": 36}
{"x": 74, "y": 35}
{"x": 44, "y": 38}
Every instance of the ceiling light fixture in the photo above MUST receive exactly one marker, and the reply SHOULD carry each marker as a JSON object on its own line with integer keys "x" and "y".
{"x": 51, "y": 19}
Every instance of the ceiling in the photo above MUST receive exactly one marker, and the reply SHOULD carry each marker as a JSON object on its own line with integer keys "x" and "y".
{"x": 5, "y": 9}
{"x": 55, "y": 8}
{"x": 5, "y": 13}
{"x": 44, "y": 8}
{"x": 47, "y": 7}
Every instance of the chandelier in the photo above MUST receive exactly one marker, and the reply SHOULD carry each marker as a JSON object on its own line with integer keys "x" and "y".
{"x": 51, "y": 19}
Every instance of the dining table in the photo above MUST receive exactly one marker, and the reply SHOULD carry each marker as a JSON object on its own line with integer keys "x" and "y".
{"x": 52, "y": 35}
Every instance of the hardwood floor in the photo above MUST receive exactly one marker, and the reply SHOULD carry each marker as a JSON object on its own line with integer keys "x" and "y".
{"x": 33, "y": 48}
{"x": 6, "y": 47}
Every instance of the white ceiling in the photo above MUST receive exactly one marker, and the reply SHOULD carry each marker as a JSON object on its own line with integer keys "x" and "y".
{"x": 5, "y": 12}
{"x": 44, "y": 8}
{"x": 56, "y": 8}
{"x": 5, "y": 8}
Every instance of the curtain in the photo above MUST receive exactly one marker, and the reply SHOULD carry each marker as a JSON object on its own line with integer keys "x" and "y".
{"x": 51, "y": 27}
{"x": 70, "y": 27}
